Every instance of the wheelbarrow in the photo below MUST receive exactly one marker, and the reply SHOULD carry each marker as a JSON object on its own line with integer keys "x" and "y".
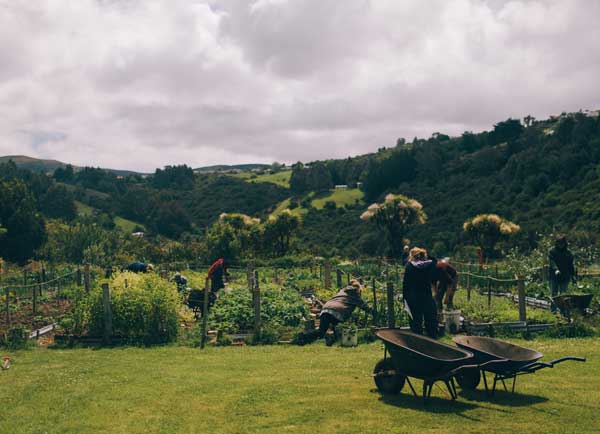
{"x": 502, "y": 359}
{"x": 408, "y": 355}
{"x": 568, "y": 302}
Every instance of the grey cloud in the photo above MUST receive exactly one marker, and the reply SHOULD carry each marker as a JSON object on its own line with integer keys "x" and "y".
{"x": 139, "y": 84}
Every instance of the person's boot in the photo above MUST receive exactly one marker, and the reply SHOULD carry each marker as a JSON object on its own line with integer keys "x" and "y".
{"x": 329, "y": 339}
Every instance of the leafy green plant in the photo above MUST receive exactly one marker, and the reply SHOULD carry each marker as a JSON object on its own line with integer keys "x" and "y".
{"x": 143, "y": 311}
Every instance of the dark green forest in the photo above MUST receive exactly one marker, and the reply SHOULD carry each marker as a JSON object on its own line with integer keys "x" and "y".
{"x": 542, "y": 175}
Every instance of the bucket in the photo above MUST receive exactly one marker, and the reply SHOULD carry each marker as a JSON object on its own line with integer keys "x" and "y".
{"x": 349, "y": 339}
{"x": 451, "y": 320}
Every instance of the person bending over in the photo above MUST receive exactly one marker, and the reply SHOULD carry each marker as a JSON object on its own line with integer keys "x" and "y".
{"x": 139, "y": 267}
{"x": 419, "y": 275}
{"x": 216, "y": 273}
{"x": 445, "y": 283}
{"x": 338, "y": 310}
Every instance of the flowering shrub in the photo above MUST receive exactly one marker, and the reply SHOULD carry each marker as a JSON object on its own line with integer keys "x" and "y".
{"x": 487, "y": 229}
{"x": 394, "y": 215}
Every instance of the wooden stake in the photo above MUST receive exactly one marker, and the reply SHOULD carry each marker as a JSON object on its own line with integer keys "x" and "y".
{"x": 108, "y": 330}
{"x": 205, "y": 312}
{"x": 390, "y": 305}
{"x": 375, "y": 315}
{"x": 256, "y": 299}
{"x": 327, "y": 274}
{"x": 522, "y": 301}
{"x": 86, "y": 278}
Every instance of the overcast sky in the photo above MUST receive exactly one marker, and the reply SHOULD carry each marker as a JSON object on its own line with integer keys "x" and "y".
{"x": 138, "y": 84}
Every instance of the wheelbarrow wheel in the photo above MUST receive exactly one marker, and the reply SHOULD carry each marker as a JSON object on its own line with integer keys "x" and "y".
{"x": 388, "y": 382}
{"x": 468, "y": 379}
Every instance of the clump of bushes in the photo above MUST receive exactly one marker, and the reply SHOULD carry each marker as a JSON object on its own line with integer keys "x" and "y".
{"x": 144, "y": 309}
{"x": 233, "y": 312}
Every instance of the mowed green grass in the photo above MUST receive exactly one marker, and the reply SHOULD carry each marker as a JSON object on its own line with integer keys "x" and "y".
{"x": 278, "y": 389}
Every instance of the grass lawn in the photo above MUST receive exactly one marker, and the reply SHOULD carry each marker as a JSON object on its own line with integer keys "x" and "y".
{"x": 277, "y": 389}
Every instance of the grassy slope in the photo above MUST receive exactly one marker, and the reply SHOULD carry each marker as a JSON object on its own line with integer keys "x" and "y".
{"x": 340, "y": 197}
{"x": 282, "y": 178}
{"x": 277, "y": 389}
{"x": 122, "y": 223}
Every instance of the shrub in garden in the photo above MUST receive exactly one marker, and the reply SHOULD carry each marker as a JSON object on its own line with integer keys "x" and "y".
{"x": 233, "y": 312}
{"x": 144, "y": 310}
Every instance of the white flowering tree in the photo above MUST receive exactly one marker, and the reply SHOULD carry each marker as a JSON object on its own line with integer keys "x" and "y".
{"x": 394, "y": 216}
{"x": 488, "y": 229}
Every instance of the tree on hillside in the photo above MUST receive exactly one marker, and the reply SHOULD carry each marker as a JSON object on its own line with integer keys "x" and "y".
{"x": 506, "y": 131}
{"x": 64, "y": 174}
{"x": 175, "y": 177}
{"x": 221, "y": 242}
{"x": 24, "y": 226}
{"x": 394, "y": 216}
{"x": 279, "y": 230}
{"x": 247, "y": 231}
{"x": 487, "y": 230}
{"x": 58, "y": 202}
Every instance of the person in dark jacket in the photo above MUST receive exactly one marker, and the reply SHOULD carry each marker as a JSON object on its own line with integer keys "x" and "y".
{"x": 561, "y": 269}
{"x": 337, "y": 310}
{"x": 139, "y": 267}
{"x": 216, "y": 273}
{"x": 419, "y": 275}
{"x": 445, "y": 283}
{"x": 181, "y": 281}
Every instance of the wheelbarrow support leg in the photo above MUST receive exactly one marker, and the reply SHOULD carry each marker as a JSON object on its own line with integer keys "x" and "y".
{"x": 411, "y": 387}
{"x": 514, "y": 382}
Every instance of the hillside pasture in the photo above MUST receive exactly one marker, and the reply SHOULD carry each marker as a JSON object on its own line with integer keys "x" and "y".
{"x": 280, "y": 178}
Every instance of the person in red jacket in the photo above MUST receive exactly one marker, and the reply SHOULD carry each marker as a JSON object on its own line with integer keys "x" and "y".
{"x": 445, "y": 283}
{"x": 216, "y": 273}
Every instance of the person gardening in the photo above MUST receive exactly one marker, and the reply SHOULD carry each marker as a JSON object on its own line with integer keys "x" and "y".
{"x": 445, "y": 283}
{"x": 216, "y": 274}
{"x": 419, "y": 275}
{"x": 561, "y": 269}
{"x": 181, "y": 281}
{"x": 338, "y": 310}
{"x": 139, "y": 267}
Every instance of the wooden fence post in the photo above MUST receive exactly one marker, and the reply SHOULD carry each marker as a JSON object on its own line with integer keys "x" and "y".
{"x": 78, "y": 277}
{"x": 391, "y": 316}
{"x": 468, "y": 286}
{"x": 86, "y": 278}
{"x": 250, "y": 275}
{"x": 327, "y": 274}
{"x": 24, "y": 277}
{"x": 256, "y": 302}
{"x": 34, "y": 303}
{"x": 7, "y": 302}
{"x": 522, "y": 301}
{"x": 108, "y": 330}
{"x": 338, "y": 275}
{"x": 375, "y": 314}
{"x": 489, "y": 294}
{"x": 205, "y": 312}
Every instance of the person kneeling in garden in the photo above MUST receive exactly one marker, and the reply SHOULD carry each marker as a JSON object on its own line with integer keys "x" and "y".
{"x": 338, "y": 310}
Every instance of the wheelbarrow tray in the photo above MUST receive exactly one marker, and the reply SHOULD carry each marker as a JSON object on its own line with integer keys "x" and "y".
{"x": 421, "y": 357}
{"x": 505, "y": 360}
{"x": 508, "y": 357}
{"x": 566, "y": 302}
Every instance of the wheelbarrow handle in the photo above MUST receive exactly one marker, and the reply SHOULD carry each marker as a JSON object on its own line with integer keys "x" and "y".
{"x": 564, "y": 359}
{"x": 481, "y": 366}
